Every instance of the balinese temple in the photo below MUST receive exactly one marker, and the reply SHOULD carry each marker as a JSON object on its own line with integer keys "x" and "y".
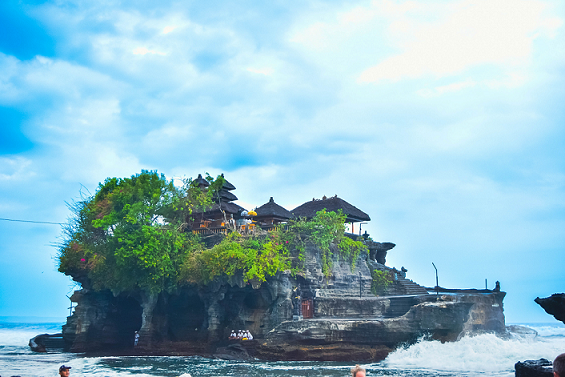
{"x": 213, "y": 219}
{"x": 271, "y": 213}
{"x": 309, "y": 209}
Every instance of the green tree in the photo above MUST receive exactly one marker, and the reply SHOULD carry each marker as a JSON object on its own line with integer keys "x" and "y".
{"x": 129, "y": 237}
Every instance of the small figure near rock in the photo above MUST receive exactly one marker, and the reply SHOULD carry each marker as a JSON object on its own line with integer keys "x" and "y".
{"x": 64, "y": 371}
{"x": 358, "y": 371}
{"x": 559, "y": 366}
{"x": 247, "y": 335}
{"x": 297, "y": 303}
{"x": 135, "y": 339}
{"x": 232, "y": 335}
{"x": 497, "y": 286}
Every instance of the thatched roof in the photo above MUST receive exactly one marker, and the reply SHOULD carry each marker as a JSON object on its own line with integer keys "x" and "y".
{"x": 227, "y": 207}
{"x": 272, "y": 209}
{"x": 201, "y": 182}
{"x": 333, "y": 204}
{"x": 227, "y": 186}
{"x": 225, "y": 195}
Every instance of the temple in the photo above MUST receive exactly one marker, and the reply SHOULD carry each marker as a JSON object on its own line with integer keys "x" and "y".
{"x": 225, "y": 214}
{"x": 221, "y": 215}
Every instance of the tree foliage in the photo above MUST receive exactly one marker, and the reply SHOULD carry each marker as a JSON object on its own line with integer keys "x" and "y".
{"x": 133, "y": 235}
{"x": 381, "y": 281}
{"x": 130, "y": 233}
{"x": 255, "y": 258}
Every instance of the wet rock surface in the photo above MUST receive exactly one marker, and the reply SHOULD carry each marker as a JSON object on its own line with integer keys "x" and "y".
{"x": 534, "y": 368}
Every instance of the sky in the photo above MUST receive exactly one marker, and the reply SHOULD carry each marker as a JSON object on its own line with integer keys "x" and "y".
{"x": 443, "y": 120}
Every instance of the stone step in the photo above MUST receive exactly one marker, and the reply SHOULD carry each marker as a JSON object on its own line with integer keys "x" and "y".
{"x": 412, "y": 288}
{"x": 399, "y": 306}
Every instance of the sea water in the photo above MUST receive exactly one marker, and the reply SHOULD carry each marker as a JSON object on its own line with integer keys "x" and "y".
{"x": 481, "y": 355}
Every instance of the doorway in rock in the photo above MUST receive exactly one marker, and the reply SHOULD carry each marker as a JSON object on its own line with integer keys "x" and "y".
{"x": 128, "y": 319}
{"x": 187, "y": 317}
{"x": 307, "y": 308}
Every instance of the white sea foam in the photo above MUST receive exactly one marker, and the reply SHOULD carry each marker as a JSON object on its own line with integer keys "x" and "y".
{"x": 549, "y": 330}
{"x": 485, "y": 353}
{"x": 19, "y": 335}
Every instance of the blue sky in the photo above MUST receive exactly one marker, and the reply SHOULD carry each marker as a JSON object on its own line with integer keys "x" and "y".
{"x": 443, "y": 120}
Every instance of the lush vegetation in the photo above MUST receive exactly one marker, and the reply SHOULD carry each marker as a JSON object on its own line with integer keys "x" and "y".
{"x": 323, "y": 230}
{"x": 255, "y": 258}
{"x": 381, "y": 281}
{"x": 132, "y": 234}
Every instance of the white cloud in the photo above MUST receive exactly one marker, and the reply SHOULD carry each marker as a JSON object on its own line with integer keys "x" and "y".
{"x": 15, "y": 169}
{"x": 261, "y": 71}
{"x": 454, "y": 87}
{"x": 168, "y": 29}
{"x": 145, "y": 51}
{"x": 470, "y": 33}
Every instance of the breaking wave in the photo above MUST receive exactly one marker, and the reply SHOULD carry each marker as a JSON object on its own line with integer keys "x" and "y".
{"x": 480, "y": 354}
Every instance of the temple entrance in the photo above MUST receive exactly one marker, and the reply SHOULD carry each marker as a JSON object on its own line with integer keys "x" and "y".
{"x": 307, "y": 308}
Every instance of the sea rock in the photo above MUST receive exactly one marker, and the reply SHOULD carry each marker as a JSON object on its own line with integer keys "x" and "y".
{"x": 521, "y": 332}
{"x": 554, "y": 305}
{"x": 534, "y": 368}
{"x": 348, "y": 322}
{"x": 35, "y": 345}
{"x": 45, "y": 342}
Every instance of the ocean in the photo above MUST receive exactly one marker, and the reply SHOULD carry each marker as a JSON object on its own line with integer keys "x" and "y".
{"x": 482, "y": 355}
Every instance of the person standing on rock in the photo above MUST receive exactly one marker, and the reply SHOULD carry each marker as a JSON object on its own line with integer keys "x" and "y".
{"x": 64, "y": 371}
{"x": 559, "y": 366}
{"x": 358, "y": 371}
{"x": 135, "y": 339}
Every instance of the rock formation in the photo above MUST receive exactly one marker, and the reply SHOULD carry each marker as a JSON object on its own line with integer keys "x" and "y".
{"x": 554, "y": 305}
{"x": 347, "y": 321}
{"x": 534, "y": 368}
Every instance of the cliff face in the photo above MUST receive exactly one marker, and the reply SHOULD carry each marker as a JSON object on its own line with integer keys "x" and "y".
{"x": 349, "y": 323}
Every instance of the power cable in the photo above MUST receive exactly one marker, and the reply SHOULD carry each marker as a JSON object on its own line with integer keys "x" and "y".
{"x": 31, "y": 221}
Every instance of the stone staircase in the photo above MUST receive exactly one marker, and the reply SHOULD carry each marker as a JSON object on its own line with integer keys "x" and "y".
{"x": 411, "y": 288}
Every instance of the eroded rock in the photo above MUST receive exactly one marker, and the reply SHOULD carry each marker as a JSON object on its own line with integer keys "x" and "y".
{"x": 553, "y": 305}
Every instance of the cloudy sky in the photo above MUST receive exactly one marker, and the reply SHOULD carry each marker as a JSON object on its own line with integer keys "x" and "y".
{"x": 443, "y": 120}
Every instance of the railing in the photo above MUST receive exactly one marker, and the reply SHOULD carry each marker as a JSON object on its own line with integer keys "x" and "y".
{"x": 471, "y": 290}
{"x": 243, "y": 229}
{"x": 269, "y": 227}
{"x": 203, "y": 231}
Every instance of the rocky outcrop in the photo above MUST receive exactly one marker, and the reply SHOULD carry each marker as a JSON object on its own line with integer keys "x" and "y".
{"x": 446, "y": 318}
{"x": 534, "y": 368}
{"x": 553, "y": 305}
{"x": 348, "y": 322}
{"x": 45, "y": 342}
